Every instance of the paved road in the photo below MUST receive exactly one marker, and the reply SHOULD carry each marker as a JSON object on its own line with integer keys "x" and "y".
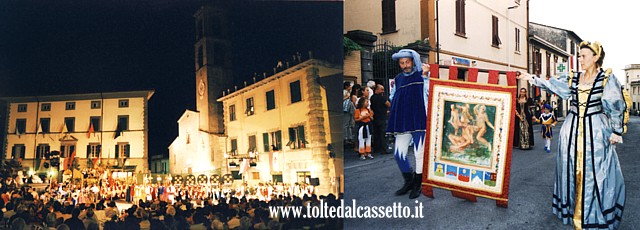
{"x": 372, "y": 182}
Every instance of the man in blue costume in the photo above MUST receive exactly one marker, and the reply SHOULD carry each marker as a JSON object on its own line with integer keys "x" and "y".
{"x": 408, "y": 117}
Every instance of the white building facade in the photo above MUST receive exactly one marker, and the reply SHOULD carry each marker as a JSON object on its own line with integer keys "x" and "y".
{"x": 632, "y": 74}
{"x": 108, "y": 128}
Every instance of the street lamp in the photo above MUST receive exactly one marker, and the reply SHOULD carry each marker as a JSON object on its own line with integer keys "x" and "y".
{"x": 508, "y": 45}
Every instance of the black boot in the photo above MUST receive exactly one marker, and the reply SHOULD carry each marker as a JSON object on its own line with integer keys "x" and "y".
{"x": 416, "y": 187}
{"x": 407, "y": 184}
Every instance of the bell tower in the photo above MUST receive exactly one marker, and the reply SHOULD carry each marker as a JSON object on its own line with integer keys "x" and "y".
{"x": 212, "y": 63}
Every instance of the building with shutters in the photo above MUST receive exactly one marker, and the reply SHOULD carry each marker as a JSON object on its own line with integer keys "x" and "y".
{"x": 632, "y": 77}
{"x": 109, "y": 128}
{"x": 553, "y": 51}
{"x": 278, "y": 126}
{"x": 490, "y": 35}
{"x": 282, "y": 125}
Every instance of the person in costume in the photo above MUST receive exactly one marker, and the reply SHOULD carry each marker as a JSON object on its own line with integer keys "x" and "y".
{"x": 408, "y": 117}
{"x": 523, "y": 132}
{"x": 363, "y": 117}
{"x": 171, "y": 191}
{"x": 589, "y": 189}
{"x": 548, "y": 121}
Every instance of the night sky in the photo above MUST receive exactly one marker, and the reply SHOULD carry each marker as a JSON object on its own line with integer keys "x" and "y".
{"x": 69, "y": 47}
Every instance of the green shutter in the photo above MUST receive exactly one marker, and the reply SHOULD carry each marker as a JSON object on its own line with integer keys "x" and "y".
{"x": 22, "y": 151}
{"x": 234, "y": 145}
{"x": 88, "y": 150}
{"x": 292, "y": 137}
{"x": 37, "y": 152}
{"x": 99, "y": 150}
{"x": 117, "y": 151}
{"x": 271, "y": 103}
{"x": 62, "y": 151}
{"x": 127, "y": 150}
{"x": 301, "y": 138}
{"x": 265, "y": 142}
{"x": 278, "y": 140}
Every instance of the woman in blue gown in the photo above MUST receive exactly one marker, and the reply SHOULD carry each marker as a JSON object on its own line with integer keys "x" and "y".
{"x": 589, "y": 189}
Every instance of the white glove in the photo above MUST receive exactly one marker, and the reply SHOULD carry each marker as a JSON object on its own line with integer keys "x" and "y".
{"x": 615, "y": 138}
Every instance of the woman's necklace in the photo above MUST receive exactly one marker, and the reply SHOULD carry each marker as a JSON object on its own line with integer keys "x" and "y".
{"x": 587, "y": 80}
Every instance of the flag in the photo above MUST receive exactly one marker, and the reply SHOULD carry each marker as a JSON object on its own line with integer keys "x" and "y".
{"x": 95, "y": 161}
{"x": 38, "y": 162}
{"x": 69, "y": 160}
{"x": 244, "y": 166}
{"x": 64, "y": 128}
{"x": 118, "y": 133}
{"x": 275, "y": 165}
{"x": 39, "y": 130}
{"x": 91, "y": 130}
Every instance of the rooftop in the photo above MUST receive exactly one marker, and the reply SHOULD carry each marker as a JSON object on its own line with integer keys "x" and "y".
{"x": 87, "y": 96}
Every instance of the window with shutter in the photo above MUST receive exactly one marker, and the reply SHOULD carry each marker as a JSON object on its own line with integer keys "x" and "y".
{"x": 494, "y": 34}
{"x": 70, "y": 122}
{"x": 292, "y": 138}
{"x": 123, "y": 122}
{"x": 296, "y": 137}
{"x": 127, "y": 152}
{"x": 294, "y": 91}
{"x": 96, "y": 123}
{"x": 548, "y": 64}
{"x": 388, "y": 16}
{"x": 265, "y": 142}
{"x": 460, "y": 17}
{"x": 234, "y": 146}
{"x": 250, "y": 108}
{"x": 232, "y": 112}
{"x": 271, "y": 100}
{"x": 517, "y": 39}
{"x": 93, "y": 150}
{"x": 45, "y": 124}
{"x": 275, "y": 140}
{"x": 41, "y": 151}
{"x": 302, "y": 141}
{"x": 21, "y": 126}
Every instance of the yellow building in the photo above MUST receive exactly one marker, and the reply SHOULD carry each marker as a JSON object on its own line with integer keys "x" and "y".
{"x": 107, "y": 126}
{"x": 279, "y": 126}
{"x": 231, "y": 125}
{"x": 288, "y": 111}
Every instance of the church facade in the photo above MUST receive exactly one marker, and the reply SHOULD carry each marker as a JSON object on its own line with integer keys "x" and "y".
{"x": 276, "y": 129}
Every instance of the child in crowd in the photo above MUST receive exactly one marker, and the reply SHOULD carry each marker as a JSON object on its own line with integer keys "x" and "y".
{"x": 363, "y": 117}
{"x": 548, "y": 120}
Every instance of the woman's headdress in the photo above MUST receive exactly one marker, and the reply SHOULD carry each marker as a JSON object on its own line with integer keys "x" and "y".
{"x": 595, "y": 46}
